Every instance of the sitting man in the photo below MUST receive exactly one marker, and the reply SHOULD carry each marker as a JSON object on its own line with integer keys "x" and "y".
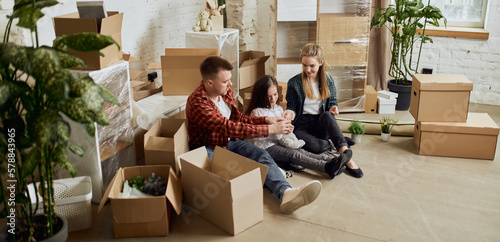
{"x": 214, "y": 120}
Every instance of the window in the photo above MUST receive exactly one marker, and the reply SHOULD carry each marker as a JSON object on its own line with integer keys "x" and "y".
{"x": 462, "y": 13}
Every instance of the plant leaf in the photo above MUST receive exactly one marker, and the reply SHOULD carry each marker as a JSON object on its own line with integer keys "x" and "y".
{"x": 28, "y": 16}
{"x": 108, "y": 96}
{"x": 84, "y": 42}
{"x": 90, "y": 127}
{"x": 68, "y": 60}
{"x": 77, "y": 150}
{"x": 30, "y": 163}
{"x": 76, "y": 109}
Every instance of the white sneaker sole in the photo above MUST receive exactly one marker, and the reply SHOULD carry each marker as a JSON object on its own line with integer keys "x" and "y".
{"x": 307, "y": 195}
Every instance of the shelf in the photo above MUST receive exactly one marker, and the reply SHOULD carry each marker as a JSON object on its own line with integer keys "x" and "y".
{"x": 109, "y": 150}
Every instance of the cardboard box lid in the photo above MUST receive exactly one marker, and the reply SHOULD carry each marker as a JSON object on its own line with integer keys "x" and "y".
{"x": 191, "y": 51}
{"x": 385, "y": 101}
{"x": 477, "y": 123}
{"x": 387, "y": 94}
{"x": 65, "y": 24}
{"x": 173, "y": 194}
{"x": 248, "y": 58}
{"x": 442, "y": 82}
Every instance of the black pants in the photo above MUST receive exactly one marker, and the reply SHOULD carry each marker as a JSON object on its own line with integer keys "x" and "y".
{"x": 315, "y": 130}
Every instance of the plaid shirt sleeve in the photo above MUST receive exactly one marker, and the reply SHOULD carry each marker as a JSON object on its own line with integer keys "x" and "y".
{"x": 207, "y": 126}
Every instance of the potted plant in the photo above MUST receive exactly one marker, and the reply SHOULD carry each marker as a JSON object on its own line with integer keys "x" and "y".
{"x": 37, "y": 94}
{"x": 406, "y": 20}
{"x": 357, "y": 129}
{"x": 386, "y": 125}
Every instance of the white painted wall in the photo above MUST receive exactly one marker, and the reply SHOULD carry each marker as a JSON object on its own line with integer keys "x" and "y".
{"x": 150, "y": 26}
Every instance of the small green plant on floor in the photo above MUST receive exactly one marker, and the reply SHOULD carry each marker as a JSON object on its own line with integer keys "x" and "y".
{"x": 357, "y": 127}
{"x": 386, "y": 124}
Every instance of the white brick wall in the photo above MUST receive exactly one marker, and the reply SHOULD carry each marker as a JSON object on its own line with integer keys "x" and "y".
{"x": 150, "y": 26}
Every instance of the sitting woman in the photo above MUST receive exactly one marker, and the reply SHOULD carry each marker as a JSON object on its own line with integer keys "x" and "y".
{"x": 264, "y": 102}
{"x": 312, "y": 105}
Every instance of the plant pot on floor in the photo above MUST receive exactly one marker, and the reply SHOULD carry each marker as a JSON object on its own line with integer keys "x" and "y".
{"x": 356, "y": 138}
{"x": 404, "y": 94}
{"x": 60, "y": 229}
{"x": 385, "y": 136}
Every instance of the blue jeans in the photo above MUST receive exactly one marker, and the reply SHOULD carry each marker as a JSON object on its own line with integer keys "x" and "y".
{"x": 275, "y": 181}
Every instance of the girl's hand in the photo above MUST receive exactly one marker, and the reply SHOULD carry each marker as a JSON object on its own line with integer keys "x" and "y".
{"x": 288, "y": 115}
{"x": 334, "y": 110}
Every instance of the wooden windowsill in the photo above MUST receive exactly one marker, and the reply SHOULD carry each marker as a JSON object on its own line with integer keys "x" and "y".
{"x": 459, "y": 32}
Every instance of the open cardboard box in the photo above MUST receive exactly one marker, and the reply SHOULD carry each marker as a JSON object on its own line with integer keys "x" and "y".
{"x": 143, "y": 217}
{"x": 477, "y": 138}
{"x": 440, "y": 97}
{"x": 252, "y": 67}
{"x": 181, "y": 69}
{"x": 112, "y": 25}
{"x": 142, "y": 89}
{"x": 226, "y": 191}
{"x": 165, "y": 140}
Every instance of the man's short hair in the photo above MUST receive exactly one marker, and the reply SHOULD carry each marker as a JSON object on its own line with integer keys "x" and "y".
{"x": 211, "y": 66}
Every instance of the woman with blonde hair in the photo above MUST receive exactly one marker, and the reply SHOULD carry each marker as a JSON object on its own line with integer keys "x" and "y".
{"x": 312, "y": 105}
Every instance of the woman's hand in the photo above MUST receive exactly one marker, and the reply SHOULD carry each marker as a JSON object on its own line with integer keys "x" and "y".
{"x": 334, "y": 110}
{"x": 272, "y": 120}
{"x": 288, "y": 114}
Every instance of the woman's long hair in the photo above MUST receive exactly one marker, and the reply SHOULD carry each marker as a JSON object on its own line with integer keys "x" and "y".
{"x": 317, "y": 52}
{"x": 259, "y": 93}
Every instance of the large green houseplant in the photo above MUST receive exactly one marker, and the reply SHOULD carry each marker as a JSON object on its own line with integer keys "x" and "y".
{"x": 406, "y": 20}
{"x": 37, "y": 93}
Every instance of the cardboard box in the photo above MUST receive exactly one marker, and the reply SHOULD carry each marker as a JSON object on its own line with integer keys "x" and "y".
{"x": 440, "y": 98}
{"x": 181, "y": 69}
{"x": 143, "y": 217}
{"x": 252, "y": 67}
{"x": 387, "y": 94}
{"x": 370, "y": 99}
{"x": 112, "y": 25}
{"x": 226, "y": 191}
{"x": 142, "y": 89}
{"x": 164, "y": 141}
{"x": 477, "y": 138}
{"x": 386, "y": 106}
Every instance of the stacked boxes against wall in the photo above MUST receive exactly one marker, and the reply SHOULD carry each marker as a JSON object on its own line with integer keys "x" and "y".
{"x": 443, "y": 124}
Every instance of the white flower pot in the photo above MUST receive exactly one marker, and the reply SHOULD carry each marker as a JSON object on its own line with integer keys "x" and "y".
{"x": 385, "y": 136}
{"x": 356, "y": 138}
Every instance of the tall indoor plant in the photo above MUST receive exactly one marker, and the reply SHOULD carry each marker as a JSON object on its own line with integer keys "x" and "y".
{"x": 37, "y": 93}
{"x": 407, "y": 21}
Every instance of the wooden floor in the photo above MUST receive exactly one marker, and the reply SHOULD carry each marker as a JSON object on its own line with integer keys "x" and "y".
{"x": 402, "y": 197}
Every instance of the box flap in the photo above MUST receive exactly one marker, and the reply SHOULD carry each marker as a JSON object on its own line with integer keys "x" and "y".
{"x": 248, "y": 58}
{"x": 443, "y": 82}
{"x": 118, "y": 175}
{"x": 197, "y": 157}
{"x": 235, "y": 164}
{"x": 190, "y": 52}
{"x": 153, "y": 131}
{"x": 174, "y": 192}
{"x": 477, "y": 123}
{"x": 112, "y": 24}
{"x": 159, "y": 143}
{"x": 156, "y": 65}
{"x": 72, "y": 24}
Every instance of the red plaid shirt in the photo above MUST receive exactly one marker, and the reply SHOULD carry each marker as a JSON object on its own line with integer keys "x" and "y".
{"x": 207, "y": 126}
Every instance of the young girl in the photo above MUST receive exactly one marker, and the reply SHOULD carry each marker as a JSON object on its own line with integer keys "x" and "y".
{"x": 312, "y": 105}
{"x": 264, "y": 102}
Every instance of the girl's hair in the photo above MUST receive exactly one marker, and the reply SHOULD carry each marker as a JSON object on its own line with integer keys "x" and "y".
{"x": 259, "y": 93}
{"x": 317, "y": 52}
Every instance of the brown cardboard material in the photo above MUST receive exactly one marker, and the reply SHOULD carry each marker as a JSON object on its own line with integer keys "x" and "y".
{"x": 112, "y": 25}
{"x": 370, "y": 99}
{"x": 217, "y": 22}
{"x": 181, "y": 69}
{"x": 226, "y": 191}
{"x": 165, "y": 140}
{"x": 143, "y": 217}
{"x": 252, "y": 67}
{"x": 142, "y": 90}
{"x": 440, "y": 98}
{"x": 477, "y": 138}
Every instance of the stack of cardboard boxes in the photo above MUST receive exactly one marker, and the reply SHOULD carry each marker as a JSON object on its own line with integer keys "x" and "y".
{"x": 443, "y": 125}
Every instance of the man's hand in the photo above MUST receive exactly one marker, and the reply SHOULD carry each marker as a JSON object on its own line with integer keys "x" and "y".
{"x": 334, "y": 110}
{"x": 288, "y": 114}
{"x": 281, "y": 127}
{"x": 272, "y": 120}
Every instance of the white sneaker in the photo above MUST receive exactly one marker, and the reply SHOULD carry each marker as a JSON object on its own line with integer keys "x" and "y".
{"x": 296, "y": 198}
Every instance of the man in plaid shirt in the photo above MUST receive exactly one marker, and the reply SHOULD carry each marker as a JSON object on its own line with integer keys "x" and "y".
{"x": 214, "y": 120}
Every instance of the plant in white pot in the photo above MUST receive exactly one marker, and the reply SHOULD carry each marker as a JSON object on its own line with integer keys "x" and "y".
{"x": 37, "y": 93}
{"x": 357, "y": 129}
{"x": 406, "y": 20}
{"x": 386, "y": 125}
